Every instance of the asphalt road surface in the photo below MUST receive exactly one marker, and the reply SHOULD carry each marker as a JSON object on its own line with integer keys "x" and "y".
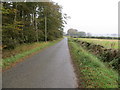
{"x": 51, "y": 68}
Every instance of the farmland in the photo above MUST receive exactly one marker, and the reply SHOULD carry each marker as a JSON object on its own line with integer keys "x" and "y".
{"x": 108, "y": 43}
{"x": 96, "y": 62}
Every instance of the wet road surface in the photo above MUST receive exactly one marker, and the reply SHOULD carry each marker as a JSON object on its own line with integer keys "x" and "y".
{"x": 50, "y": 68}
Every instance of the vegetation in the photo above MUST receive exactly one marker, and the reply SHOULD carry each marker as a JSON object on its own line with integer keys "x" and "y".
{"x": 14, "y": 56}
{"x": 25, "y": 27}
{"x": 101, "y": 37}
{"x": 24, "y": 22}
{"x": 92, "y": 72}
{"x": 110, "y": 56}
{"x": 108, "y": 43}
{"x": 74, "y": 33}
{"x": 81, "y": 34}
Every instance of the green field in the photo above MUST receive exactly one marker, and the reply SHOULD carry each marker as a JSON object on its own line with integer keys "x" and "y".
{"x": 107, "y": 43}
{"x": 91, "y": 71}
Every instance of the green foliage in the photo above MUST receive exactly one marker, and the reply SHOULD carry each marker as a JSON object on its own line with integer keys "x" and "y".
{"x": 92, "y": 72}
{"x": 24, "y": 22}
{"x": 110, "y": 56}
{"x": 7, "y": 11}
{"x": 9, "y": 36}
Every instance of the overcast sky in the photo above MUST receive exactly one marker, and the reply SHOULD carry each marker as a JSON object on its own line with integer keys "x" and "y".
{"x": 94, "y": 16}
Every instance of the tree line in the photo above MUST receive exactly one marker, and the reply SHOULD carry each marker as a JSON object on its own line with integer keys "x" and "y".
{"x": 101, "y": 37}
{"x": 75, "y": 33}
{"x": 81, "y": 34}
{"x": 24, "y": 22}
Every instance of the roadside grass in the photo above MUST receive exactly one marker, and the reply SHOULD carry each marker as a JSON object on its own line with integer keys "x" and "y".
{"x": 23, "y": 51}
{"x": 20, "y": 49}
{"x": 92, "y": 73}
{"x": 107, "y": 43}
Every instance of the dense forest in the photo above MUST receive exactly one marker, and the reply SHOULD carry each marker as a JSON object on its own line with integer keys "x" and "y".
{"x": 29, "y": 22}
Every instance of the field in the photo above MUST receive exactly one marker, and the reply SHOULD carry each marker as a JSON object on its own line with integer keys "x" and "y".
{"x": 92, "y": 71}
{"x": 107, "y": 43}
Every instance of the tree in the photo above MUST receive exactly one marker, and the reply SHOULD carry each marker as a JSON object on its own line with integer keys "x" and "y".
{"x": 81, "y": 34}
{"x": 27, "y": 22}
{"x": 88, "y": 35}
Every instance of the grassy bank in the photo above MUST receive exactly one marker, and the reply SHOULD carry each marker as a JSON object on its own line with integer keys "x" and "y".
{"x": 11, "y": 57}
{"x": 92, "y": 73}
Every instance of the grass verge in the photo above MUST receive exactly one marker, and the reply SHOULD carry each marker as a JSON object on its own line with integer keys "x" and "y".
{"x": 92, "y": 73}
{"x": 23, "y": 52}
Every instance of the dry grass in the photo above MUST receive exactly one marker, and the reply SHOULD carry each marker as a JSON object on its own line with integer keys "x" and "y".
{"x": 107, "y": 43}
{"x": 20, "y": 49}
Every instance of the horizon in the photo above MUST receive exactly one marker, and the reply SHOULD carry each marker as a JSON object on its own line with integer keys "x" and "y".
{"x": 95, "y": 17}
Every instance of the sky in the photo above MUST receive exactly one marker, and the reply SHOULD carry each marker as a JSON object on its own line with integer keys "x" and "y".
{"x": 91, "y": 16}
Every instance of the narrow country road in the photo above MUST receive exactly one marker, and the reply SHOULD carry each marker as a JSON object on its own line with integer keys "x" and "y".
{"x": 51, "y": 68}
